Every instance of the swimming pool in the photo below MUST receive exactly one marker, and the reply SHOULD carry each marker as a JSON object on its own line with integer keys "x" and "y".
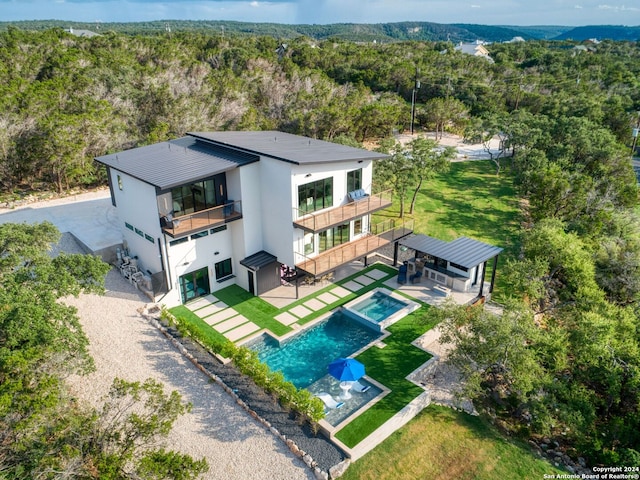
{"x": 378, "y": 306}
{"x": 303, "y": 359}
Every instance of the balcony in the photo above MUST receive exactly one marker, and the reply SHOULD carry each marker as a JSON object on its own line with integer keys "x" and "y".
{"x": 317, "y": 222}
{"x": 198, "y": 221}
{"x": 380, "y": 235}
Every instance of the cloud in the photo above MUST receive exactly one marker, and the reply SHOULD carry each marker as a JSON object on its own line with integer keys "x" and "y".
{"x": 578, "y": 7}
{"x": 618, "y": 8}
{"x": 475, "y": 6}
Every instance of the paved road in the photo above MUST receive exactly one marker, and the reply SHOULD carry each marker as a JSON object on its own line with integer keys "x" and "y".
{"x": 90, "y": 217}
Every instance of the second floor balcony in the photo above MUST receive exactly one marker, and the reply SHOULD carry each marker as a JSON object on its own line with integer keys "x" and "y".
{"x": 200, "y": 220}
{"x": 319, "y": 221}
{"x": 380, "y": 235}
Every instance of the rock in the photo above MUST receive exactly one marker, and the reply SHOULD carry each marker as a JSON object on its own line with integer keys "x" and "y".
{"x": 582, "y": 462}
{"x": 544, "y": 446}
{"x": 338, "y": 470}
{"x": 570, "y": 469}
{"x": 308, "y": 460}
{"x": 320, "y": 474}
{"x": 546, "y": 440}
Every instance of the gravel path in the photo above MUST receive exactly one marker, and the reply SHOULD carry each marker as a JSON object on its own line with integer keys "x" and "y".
{"x": 125, "y": 345}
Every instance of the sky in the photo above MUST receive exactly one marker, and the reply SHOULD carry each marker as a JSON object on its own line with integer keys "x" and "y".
{"x": 488, "y": 12}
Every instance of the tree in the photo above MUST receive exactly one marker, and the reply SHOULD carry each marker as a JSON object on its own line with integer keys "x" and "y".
{"x": 43, "y": 432}
{"x": 497, "y": 354}
{"x": 397, "y": 171}
{"x": 484, "y": 130}
{"x": 441, "y": 112}
{"x": 427, "y": 159}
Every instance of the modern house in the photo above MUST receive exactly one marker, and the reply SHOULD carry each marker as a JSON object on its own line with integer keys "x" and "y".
{"x": 252, "y": 208}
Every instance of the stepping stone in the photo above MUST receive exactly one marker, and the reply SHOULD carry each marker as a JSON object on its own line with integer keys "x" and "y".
{"x": 364, "y": 280}
{"x": 286, "y": 318}
{"x": 201, "y": 302}
{"x": 328, "y": 298}
{"x": 221, "y": 316}
{"x": 209, "y": 309}
{"x": 230, "y": 324}
{"x": 353, "y": 286}
{"x": 242, "y": 331}
{"x": 376, "y": 274}
{"x": 300, "y": 311}
{"x": 314, "y": 304}
{"x": 340, "y": 292}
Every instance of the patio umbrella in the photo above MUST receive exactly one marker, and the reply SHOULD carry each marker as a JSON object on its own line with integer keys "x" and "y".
{"x": 346, "y": 369}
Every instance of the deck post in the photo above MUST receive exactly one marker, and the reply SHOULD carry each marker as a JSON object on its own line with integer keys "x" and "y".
{"x": 493, "y": 274}
{"x": 484, "y": 271}
{"x": 395, "y": 253}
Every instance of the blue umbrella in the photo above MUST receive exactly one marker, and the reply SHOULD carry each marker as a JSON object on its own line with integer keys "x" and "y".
{"x": 346, "y": 369}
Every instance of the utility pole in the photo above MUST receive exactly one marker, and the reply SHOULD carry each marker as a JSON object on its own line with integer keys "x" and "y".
{"x": 634, "y": 133}
{"x": 416, "y": 87}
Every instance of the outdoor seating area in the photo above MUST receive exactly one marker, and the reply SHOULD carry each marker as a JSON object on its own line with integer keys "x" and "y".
{"x": 356, "y": 195}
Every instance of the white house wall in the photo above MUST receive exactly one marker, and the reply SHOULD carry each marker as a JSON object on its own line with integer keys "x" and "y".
{"x": 136, "y": 205}
{"x": 276, "y": 202}
{"x": 195, "y": 254}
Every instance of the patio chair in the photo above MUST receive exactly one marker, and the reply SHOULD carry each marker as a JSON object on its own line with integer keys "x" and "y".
{"x": 330, "y": 402}
{"x": 358, "y": 387}
{"x": 402, "y": 274}
{"x": 416, "y": 277}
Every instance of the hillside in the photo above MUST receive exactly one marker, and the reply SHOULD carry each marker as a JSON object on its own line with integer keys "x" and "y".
{"x": 381, "y": 32}
{"x": 601, "y": 32}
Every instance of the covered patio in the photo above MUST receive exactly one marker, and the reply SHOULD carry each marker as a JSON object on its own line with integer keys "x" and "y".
{"x": 458, "y": 266}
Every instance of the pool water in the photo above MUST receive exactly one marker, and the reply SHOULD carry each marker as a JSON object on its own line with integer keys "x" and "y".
{"x": 378, "y": 307}
{"x": 303, "y": 359}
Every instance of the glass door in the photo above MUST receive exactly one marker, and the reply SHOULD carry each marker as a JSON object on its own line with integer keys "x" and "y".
{"x": 194, "y": 284}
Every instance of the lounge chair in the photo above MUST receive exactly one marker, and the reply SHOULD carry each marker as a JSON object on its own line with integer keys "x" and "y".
{"x": 329, "y": 401}
{"x": 360, "y": 388}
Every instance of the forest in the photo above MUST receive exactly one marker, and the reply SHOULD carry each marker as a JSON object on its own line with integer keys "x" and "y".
{"x": 563, "y": 362}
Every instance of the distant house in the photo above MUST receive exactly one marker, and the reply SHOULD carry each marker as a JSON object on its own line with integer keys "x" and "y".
{"x": 81, "y": 33}
{"x": 515, "y": 40}
{"x": 477, "y": 49}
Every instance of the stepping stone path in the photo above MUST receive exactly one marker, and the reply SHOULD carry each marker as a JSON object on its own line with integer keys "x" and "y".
{"x": 286, "y": 318}
{"x": 353, "y": 286}
{"x": 300, "y": 311}
{"x": 376, "y": 274}
{"x": 364, "y": 280}
{"x": 328, "y": 298}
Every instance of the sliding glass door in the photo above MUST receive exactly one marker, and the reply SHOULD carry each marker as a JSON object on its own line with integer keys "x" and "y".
{"x": 194, "y": 284}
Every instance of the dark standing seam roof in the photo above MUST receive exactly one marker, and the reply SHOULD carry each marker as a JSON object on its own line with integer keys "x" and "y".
{"x": 464, "y": 251}
{"x": 176, "y": 162}
{"x": 258, "y": 260}
{"x": 289, "y": 148}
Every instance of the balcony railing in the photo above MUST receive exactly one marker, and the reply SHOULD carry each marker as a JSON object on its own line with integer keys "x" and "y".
{"x": 193, "y": 222}
{"x": 318, "y": 221}
{"x": 380, "y": 235}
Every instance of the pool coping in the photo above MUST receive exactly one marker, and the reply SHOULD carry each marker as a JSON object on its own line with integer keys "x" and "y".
{"x": 410, "y": 307}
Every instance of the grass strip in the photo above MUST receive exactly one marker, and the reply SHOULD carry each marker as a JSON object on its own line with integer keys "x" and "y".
{"x": 389, "y": 366}
{"x": 205, "y": 332}
{"x": 254, "y": 308}
{"x": 441, "y": 443}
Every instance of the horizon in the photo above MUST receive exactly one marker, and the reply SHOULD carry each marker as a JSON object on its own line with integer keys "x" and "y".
{"x": 325, "y": 12}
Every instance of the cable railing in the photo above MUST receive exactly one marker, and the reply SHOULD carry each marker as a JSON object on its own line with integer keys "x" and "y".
{"x": 379, "y": 235}
{"x": 317, "y": 221}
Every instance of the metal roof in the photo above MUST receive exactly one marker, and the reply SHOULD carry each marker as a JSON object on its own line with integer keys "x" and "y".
{"x": 464, "y": 251}
{"x": 258, "y": 260}
{"x": 176, "y": 162}
{"x": 289, "y": 148}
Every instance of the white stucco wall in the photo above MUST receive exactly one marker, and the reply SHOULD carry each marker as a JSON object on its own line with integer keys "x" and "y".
{"x": 136, "y": 205}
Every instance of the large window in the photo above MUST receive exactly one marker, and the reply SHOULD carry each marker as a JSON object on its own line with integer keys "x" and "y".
{"x": 354, "y": 180}
{"x": 199, "y": 195}
{"x": 223, "y": 269}
{"x": 333, "y": 237}
{"x": 315, "y": 195}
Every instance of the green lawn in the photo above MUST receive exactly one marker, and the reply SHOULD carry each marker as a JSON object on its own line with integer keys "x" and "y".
{"x": 389, "y": 366}
{"x": 441, "y": 443}
{"x": 469, "y": 200}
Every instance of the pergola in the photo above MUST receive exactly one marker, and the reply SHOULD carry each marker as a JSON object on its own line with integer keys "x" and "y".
{"x": 462, "y": 252}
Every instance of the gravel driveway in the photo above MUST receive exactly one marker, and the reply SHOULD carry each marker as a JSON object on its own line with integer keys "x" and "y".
{"x": 125, "y": 345}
